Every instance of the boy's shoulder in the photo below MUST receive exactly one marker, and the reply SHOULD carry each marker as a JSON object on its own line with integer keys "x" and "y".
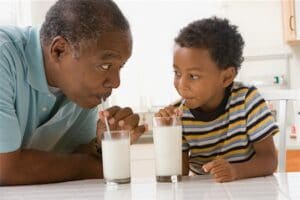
{"x": 242, "y": 88}
{"x": 241, "y": 91}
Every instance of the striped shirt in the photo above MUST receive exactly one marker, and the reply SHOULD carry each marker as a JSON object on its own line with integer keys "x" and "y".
{"x": 242, "y": 119}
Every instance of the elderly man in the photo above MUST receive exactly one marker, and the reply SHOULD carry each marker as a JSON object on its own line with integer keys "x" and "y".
{"x": 52, "y": 80}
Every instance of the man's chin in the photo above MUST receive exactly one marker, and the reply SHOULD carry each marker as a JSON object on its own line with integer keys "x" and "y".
{"x": 86, "y": 105}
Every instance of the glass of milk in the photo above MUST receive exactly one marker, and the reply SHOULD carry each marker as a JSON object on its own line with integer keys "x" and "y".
{"x": 167, "y": 137}
{"x": 116, "y": 156}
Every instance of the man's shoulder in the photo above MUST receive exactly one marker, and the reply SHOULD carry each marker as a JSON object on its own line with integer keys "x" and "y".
{"x": 13, "y": 34}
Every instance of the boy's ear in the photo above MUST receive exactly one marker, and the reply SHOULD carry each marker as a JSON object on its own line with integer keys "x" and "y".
{"x": 59, "y": 48}
{"x": 228, "y": 76}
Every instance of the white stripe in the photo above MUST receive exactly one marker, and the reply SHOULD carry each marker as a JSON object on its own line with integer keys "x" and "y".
{"x": 257, "y": 117}
{"x": 256, "y": 135}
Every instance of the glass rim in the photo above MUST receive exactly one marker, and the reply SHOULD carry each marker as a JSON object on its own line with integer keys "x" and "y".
{"x": 117, "y": 131}
{"x": 167, "y": 117}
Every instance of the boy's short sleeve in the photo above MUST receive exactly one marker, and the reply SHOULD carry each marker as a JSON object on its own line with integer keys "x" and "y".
{"x": 10, "y": 135}
{"x": 260, "y": 122}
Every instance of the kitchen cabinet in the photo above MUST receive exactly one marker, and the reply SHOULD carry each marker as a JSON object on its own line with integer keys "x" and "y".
{"x": 291, "y": 21}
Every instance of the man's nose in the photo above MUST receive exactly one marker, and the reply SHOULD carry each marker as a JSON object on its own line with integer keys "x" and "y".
{"x": 113, "y": 79}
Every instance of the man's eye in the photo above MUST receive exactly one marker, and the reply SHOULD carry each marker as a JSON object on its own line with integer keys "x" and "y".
{"x": 104, "y": 67}
{"x": 194, "y": 77}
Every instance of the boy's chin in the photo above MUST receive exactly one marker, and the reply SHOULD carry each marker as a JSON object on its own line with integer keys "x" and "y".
{"x": 192, "y": 105}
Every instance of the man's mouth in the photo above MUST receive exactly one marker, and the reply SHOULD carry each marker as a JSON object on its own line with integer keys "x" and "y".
{"x": 104, "y": 96}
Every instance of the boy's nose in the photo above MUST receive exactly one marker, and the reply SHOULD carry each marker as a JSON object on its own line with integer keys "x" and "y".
{"x": 183, "y": 83}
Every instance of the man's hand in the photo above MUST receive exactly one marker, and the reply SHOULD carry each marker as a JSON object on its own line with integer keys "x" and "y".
{"x": 91, "y": 148}
{"x": 221, "y": 169}
{"x": 121, "y": 119}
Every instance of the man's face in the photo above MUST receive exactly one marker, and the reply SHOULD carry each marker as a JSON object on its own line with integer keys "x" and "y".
{"x": 93, "y": 75}
{"x": 197, "y": 78}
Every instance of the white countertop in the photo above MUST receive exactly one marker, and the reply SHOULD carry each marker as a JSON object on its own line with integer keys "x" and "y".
{"x": 279, "y": 186}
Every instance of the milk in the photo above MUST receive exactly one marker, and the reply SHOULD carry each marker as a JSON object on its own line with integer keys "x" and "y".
{"x": 116, "y": 158}
{"x": 168, "y": 151}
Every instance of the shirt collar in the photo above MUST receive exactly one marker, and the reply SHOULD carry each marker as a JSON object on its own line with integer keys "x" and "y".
{"x": 36, "y": 76}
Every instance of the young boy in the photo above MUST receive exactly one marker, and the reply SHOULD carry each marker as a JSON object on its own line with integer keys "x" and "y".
{"x": 227, "y": 127}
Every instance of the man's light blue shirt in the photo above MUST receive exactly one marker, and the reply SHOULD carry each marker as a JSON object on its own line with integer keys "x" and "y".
{"x": 30, "y": 115}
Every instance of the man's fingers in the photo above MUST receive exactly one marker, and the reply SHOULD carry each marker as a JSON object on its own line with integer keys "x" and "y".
{"x": 122, "y": 113}
{"x": 130, "y": 122}
{"x": 109, "y": 113}
{"x": 138, "y": 131}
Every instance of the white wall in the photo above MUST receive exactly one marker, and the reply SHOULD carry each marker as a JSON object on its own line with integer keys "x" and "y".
{"x": 147, "y": 77}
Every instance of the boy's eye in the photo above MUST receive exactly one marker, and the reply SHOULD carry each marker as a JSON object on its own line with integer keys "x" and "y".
{"x": 177, "y": 74}
{"x": 194, "y": 77}
{"x": 104, "y": 67}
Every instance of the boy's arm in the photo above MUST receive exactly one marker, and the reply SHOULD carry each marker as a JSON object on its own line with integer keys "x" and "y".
{"x": 35, "y": 167}
{"x": 262, "y": 164}
{"x": 185, "y": 163}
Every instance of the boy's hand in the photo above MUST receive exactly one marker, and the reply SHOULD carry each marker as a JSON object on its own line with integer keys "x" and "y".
{"x": 169, "y": 112}
{"x": 165, "y": 115}
{"x": 120, "y": 119}
{"x": 221, "y": 169}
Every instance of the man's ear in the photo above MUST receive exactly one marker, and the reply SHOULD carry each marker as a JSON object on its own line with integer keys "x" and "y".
{"x": 59, "y": 48}
{"x": 228, "y": 75}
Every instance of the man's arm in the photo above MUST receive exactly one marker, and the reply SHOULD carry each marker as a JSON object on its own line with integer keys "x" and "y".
{"x": 36, "y": 167}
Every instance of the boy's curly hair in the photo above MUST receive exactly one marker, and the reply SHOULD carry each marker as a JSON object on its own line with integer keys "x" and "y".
{"x": 223, "y": 41}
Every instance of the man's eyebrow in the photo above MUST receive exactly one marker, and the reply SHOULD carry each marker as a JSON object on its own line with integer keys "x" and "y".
{"x": 108, "y": 54}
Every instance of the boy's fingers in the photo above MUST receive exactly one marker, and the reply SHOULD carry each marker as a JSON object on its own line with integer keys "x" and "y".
{"x": 163, "y": 113}
{"x": 170, "y": 110}
{"x": 178, "y": 112}
{"x": 209, "y": 166}
{"x": 218, "y": 170}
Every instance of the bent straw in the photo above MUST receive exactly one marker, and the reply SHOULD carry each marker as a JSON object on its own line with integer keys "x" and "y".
{"x": 105, "y": 118}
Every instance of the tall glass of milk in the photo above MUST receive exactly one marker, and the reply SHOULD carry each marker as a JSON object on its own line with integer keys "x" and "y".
{"x": 116, "y": 156}
{"x": 167, "y": 137}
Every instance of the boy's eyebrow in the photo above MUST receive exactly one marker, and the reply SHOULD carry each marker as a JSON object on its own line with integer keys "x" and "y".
{"x": 189, "y": 69}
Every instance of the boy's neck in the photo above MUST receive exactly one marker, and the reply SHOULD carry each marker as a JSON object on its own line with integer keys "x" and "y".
{"x": 217, "y": 101}
{"x": 217, "y": 107}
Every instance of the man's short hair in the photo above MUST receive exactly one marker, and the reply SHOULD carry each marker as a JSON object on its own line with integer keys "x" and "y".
{"x": 82, "y": 20}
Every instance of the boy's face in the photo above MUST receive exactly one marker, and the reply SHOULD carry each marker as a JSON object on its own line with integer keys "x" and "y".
{"x": 93, "y": 75}
{"x": 198, "y": 79}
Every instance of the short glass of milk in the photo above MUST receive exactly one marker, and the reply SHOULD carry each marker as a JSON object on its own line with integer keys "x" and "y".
{"x": 116, "y": 156}
{"x": 167, "y": 137}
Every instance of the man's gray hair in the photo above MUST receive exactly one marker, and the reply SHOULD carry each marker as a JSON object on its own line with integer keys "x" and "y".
{"x": 82, "y": 20}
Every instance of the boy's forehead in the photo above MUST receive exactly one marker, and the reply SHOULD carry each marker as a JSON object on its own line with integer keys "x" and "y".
{"x": 193, "y": 59}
